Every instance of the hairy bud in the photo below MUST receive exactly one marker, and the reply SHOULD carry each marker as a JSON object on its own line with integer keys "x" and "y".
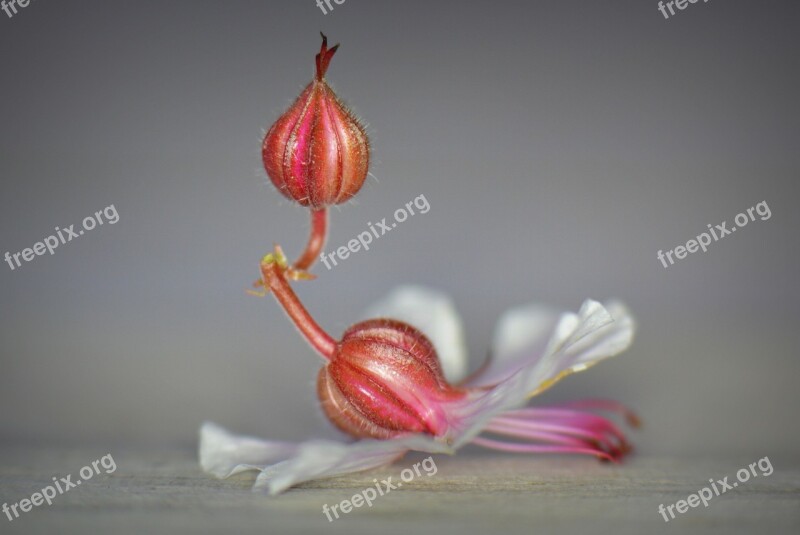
{"x": 385, "y": 379}
{"x": 317, "y": 153}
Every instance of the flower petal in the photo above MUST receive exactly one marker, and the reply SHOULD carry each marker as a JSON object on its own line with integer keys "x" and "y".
{"x": 535, "y": 335}
{"x": 284, "y": 465}
{"x": 433, "y": 313}
{"x": 520, "y": 333}
{"x": 223, "y": 454}
{"x": 578, "y": 341}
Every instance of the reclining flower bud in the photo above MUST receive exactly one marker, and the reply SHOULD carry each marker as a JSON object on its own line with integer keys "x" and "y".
{"x": 384, "y": 379}
{"x": 317, "y": 153}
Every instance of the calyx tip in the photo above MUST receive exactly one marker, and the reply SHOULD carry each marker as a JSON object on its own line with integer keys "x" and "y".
{"x": 325, "y": 56}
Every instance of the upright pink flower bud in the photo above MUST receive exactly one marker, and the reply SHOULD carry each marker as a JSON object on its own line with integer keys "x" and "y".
{"x": 317, "y": 153}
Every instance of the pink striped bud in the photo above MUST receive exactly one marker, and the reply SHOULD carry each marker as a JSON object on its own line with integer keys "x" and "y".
{"x": 385, "y": 379}
{"x": 317, "y": 153}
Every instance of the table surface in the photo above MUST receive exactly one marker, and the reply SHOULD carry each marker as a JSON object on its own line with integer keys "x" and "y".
{"x": 164, "y": 491}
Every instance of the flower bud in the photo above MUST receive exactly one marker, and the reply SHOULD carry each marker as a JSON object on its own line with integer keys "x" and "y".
{"x": 385, "y": 379}
{"x": 317, "y": 153}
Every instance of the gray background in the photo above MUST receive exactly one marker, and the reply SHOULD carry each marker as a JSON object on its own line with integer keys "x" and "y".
{"x": 560, "y": 144}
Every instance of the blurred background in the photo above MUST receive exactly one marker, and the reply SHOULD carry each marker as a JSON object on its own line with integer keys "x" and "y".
{"x": 560, "y": 144}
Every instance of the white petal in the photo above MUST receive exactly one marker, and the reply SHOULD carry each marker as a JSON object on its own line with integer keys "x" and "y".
{"x": 520, "y": 333}
{"x": 224, "y": 454}
{"x": 319, "y": 459}
{"x": 595, "y": 334}
{"x": 537, "y": 337}
{"x": 284, "y": 465}
{"x": 577, "y": 342}
{"x": 433, "y": 313}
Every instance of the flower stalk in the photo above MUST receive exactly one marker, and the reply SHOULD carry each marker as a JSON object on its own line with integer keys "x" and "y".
{"x": 274, "y": 269}
{"x": 316, "y": 240}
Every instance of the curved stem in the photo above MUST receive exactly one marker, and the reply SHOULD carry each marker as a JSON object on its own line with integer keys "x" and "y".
{"x": 319, "y": 231}
{"x": 275, "y": 280}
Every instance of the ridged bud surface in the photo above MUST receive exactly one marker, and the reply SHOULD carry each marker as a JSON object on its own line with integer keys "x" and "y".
{"x": 385, "y": 379}
{"x": 317, "y": 153}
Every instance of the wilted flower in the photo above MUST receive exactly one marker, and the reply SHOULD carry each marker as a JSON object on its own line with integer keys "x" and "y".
{"x": 385, "y": 380}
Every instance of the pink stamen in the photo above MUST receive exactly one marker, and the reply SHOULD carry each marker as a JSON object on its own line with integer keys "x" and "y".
{"x": 562, "y": 429}
{"x": 533, "y": 448}
{"x": 606, "y": 405}
{"x": 565, "y": 416}
{"x": 533, "y": 435}
{"x": 586, "y": 435}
